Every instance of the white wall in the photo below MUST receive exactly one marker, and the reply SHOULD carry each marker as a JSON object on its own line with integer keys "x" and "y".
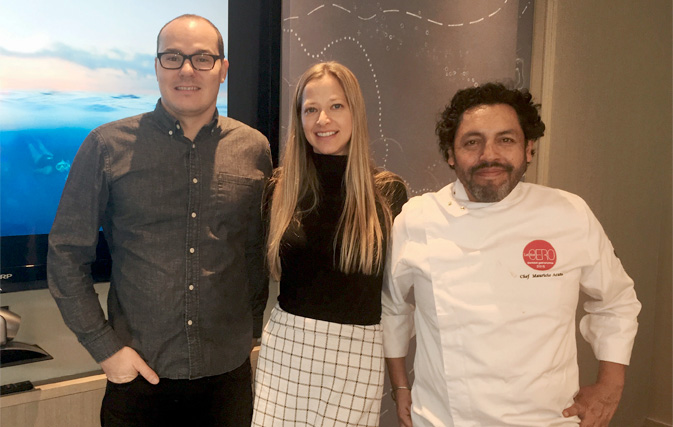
{"x": 607, "y": 94}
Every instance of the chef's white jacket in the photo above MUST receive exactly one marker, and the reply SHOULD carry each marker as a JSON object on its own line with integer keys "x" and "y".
{"x": 491, "y": 291}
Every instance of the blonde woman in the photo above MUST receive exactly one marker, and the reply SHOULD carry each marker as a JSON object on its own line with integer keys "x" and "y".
{"x": 329, "y": 214}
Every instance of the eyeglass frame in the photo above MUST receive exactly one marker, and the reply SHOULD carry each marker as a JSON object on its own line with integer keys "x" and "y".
{"x": 186, "y": 57}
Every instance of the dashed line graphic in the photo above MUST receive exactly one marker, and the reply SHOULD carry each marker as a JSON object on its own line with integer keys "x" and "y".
{"x": 317, "y": 8}
{"x": 341, "y": 7}
{"x": 367, "y": 19}
{"x": 415, "y": 15}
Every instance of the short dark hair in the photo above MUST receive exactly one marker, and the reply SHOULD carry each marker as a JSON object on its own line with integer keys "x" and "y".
{"x": 488, "y": 94}
{"x": 220, "y": 41}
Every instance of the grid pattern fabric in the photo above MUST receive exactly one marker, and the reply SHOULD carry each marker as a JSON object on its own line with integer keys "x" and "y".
{"x": 316, "y": 373}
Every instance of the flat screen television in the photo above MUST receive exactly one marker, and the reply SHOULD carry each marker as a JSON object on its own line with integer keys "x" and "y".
{"x": 68, "y": 68}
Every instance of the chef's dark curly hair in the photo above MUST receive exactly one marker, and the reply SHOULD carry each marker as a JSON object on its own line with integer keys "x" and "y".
{"x": 488, "y": 94}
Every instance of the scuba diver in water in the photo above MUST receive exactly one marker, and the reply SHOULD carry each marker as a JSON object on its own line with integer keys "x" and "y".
{"x": 43, "y": 159}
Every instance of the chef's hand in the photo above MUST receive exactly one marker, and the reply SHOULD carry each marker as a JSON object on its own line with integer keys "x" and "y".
{"x": 596, "y": 404}
{"x": 403, "y": 403}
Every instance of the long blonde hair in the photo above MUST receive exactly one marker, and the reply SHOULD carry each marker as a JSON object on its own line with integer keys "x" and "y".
{"x": 362, "y": 237}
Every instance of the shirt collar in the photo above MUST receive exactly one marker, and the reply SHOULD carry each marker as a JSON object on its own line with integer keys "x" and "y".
{"x": 171, "y": 125}
{"x": 460, "y": 204}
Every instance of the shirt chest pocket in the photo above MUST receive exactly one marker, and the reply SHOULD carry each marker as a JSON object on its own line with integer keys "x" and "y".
{"x": 236, "y": 199}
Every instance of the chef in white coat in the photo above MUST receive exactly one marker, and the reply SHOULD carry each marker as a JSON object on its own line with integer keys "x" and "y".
{"x": 487, "y": 273}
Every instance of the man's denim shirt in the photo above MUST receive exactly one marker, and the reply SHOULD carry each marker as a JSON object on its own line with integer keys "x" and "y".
{"x": 184, "y": 227}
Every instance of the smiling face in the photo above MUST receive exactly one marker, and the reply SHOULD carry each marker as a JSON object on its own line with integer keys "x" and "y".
{"x": 326, "y": 116}
{"x": 188, "y": 94}
{"x": 490, "y": 153}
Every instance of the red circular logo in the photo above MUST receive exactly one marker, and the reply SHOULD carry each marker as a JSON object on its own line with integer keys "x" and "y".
{"x": 539, "y": 255}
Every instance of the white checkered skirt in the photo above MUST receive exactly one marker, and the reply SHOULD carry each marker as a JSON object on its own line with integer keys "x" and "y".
{"x": 316, "y": 373}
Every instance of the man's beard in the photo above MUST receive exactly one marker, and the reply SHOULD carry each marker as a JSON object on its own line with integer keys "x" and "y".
{"x": 490, "y": 193}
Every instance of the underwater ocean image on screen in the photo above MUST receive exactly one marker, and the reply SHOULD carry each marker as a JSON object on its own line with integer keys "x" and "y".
{"x": 35, "y": 158}
{"x": 66, "y": 69}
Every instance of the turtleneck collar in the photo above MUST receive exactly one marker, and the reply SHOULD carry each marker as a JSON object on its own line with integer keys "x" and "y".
{"x": 331, "y": 169}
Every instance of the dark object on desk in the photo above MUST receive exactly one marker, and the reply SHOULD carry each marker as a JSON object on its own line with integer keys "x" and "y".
{"x": 9, "y": 325}
{"x": 18, "y": 353}
{"x": 14, "y": 352}
{"x": 16, "y": 387}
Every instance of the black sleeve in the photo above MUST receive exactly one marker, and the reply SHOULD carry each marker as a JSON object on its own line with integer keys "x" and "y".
{"x": 393, "y": 189}
{"x": 258, "y": 277}
{"x": 398, "y": 197}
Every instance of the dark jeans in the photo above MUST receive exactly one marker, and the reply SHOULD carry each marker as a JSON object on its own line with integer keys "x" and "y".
{"x": 221, "y": 400}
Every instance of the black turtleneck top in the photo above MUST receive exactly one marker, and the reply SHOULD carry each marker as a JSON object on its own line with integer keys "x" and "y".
{"x": 311, "y": 284}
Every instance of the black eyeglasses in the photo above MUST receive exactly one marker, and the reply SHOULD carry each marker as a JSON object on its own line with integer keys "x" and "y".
{"x": 199, "y": 61}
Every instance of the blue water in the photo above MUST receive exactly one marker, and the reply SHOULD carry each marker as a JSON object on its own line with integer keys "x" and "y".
{"x": 40, "y": 133}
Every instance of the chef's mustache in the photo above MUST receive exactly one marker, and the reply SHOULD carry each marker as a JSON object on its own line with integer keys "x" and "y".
{"x": 508, "y": 168}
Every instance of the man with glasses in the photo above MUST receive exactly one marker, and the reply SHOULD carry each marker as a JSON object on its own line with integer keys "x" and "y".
{"x": 177, "y": 192}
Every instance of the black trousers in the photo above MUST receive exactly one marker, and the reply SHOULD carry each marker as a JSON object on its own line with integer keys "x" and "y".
{"x": 221, "y": 400}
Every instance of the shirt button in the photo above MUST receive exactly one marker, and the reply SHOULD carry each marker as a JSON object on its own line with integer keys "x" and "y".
{"x": 193, "y": 145}
{"x": 191, "y": 287}
{"x": 178, "y": 126}
{"x": 194, "y": 180}
{"x": 191, "y": 250}
{"x": 193, "y": 214}
{"x": 189, "y": 322}
{"x": 170, "y": 132}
